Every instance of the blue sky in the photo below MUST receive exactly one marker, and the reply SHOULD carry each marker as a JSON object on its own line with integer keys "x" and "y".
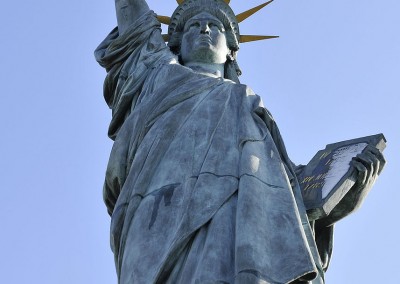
{"x": 332, "y": 75}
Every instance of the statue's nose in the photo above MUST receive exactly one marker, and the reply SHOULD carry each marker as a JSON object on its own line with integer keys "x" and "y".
{"x": 205, "y": 29}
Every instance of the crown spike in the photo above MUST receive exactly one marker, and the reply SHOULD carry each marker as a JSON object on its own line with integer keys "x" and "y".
{"x": 227, "y": 1}
{"x": 243, "y": 16}
{"x": 249, "y": 38}
{"x": 164, "y": 19}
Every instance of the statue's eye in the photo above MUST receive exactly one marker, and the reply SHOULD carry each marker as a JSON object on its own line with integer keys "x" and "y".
{"x": 191, "y": 25}
{"x": 216, "y": 26}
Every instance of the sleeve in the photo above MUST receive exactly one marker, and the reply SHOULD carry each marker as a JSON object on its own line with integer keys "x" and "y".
{"x": 128, "y": 59}
{"x": 322, "y": 236}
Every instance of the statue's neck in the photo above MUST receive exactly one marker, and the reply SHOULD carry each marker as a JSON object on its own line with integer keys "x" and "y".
{"x": 209, "y": 69}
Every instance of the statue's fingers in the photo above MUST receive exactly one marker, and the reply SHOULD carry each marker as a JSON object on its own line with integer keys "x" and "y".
{"x": 381, "y": 164}
{"x": 367, "y": 162}
{"x": 379, "y": 156}
{"x": 375, "y": 163}
{"x": 362, "y": 172}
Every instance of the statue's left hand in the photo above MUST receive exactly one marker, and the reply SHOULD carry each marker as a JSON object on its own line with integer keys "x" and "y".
{"x": 367, "y": 165}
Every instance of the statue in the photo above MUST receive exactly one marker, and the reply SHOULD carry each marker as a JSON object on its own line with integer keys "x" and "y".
{"x": 199, "y": 185}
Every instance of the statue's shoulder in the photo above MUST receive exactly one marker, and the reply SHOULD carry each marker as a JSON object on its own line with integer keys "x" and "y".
{"x": 247, "y": 91}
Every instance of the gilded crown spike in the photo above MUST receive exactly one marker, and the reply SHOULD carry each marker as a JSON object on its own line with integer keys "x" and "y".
{"x": 243, "y": 16}
{"x": 227, "y": 1}
{"x": 164, "y": 19}
{"x": 249, "y": 38}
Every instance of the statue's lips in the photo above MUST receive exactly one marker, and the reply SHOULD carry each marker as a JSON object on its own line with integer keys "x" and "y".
{"x": 204, "y": 38}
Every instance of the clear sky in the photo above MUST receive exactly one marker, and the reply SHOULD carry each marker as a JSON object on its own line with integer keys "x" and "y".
{"x": 332, "y": 75}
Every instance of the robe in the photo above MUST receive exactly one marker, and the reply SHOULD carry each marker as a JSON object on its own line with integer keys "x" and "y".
{"x": 198, "y": 184}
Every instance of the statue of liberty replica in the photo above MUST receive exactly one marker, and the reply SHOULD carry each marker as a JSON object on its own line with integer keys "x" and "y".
{"x": 199, "y": 185}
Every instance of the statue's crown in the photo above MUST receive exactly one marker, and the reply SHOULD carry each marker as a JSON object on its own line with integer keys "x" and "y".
{"x": 219, "y": 8}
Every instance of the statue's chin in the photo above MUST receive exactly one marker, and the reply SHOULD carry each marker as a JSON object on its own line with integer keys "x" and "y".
{"x": 204, "y": 54}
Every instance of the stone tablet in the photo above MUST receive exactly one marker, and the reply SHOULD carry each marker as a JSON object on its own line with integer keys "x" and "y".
{"x": 328, "y": 176}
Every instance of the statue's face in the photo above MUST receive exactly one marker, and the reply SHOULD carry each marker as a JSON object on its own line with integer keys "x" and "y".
{"x": 204, "y": 40}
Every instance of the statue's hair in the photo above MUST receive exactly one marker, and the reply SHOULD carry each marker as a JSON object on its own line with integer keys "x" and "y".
{"x": 218, "y": 9}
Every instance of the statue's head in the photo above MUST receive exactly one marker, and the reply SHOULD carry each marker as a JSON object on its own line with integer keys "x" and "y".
{"x": 213, "y": 11}
{"x": 204, "y": 40}
{"x": 206, "y": 30}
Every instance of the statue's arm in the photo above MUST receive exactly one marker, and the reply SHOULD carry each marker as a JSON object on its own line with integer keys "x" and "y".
{"x": 128, "y": 11}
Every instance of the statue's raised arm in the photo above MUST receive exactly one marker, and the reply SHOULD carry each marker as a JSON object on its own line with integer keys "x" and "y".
{"x": 128, "y": 11}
